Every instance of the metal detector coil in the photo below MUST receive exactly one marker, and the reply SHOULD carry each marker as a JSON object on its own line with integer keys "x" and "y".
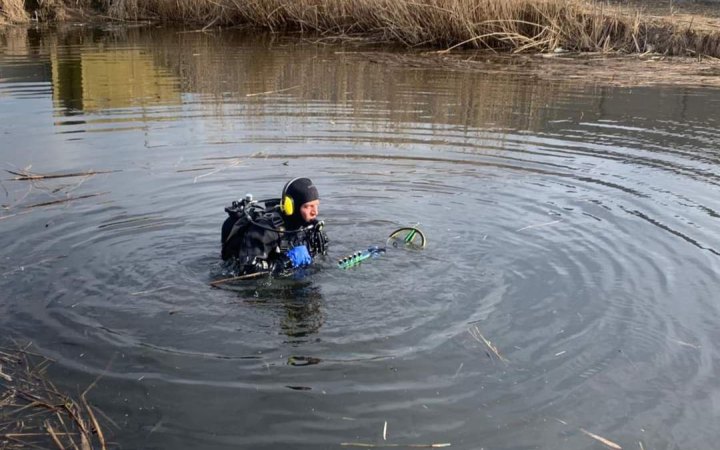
{"x": 407, "y": 237}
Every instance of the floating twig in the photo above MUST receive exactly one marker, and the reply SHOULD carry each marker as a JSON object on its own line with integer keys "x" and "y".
{"x": 362, "y": 444}
{"x": 151, "y": 290}
{"x": 96, "y": 426}
{"x": 196, "y": 169}
{"x": 685, "y": 344}
{"x": 248, "y": 276}
{"x": 5, "y": 376}
{"x": 475, "y": 332}
{"x": 272, "y": 92}
{"x": 28, "y": 176}
{"x": 54, "y": 436}
{"x": 65, "y": 200}
{"x": 601, "y": 439}
{"x": 538, "y": 225}
{"x": 385, "y": 431}
{"x": 233, "y": 163}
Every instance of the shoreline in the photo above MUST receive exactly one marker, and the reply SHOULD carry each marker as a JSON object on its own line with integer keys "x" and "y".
{"x": 505, "y": 27}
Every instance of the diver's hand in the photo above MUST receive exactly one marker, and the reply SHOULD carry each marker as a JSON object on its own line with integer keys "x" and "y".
{"x": 299, "y": 256}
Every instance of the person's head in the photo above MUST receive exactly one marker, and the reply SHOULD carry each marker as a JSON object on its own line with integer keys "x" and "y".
{"x": 300, "y": 201}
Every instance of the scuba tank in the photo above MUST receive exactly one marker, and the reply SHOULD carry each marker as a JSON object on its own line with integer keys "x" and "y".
{"x": 241, "y": 214}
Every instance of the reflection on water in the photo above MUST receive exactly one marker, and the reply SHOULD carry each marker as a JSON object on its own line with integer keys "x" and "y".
{"x": 571, "y": 227}
{"x": 298, "y": 301}
{"x": 93, "y": 81}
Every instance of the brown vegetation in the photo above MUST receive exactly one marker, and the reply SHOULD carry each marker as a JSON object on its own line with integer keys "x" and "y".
{"x": 506, "y": 25}
{"x": 34, "y": 414}
{"x": 515, "y": 25}
{"x": 12, "y": 11}
{"x": 22, "y": 11}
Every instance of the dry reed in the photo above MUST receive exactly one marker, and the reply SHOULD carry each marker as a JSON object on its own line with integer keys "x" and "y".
{"x": 505, "y": 25}
{"x": 13, "y": 11}
{"x": 34, "y": 414}
{"x": 22, "y": 11}
{"x": 515, "y": 25}
{"x": 29, "y": 176}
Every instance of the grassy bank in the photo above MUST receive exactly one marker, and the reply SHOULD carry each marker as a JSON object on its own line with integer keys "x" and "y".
{"x": 12, "y": 11}
{"x": 504, "y": 25}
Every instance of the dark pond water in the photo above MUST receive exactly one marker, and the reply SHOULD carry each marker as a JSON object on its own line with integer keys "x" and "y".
{"x": 574, "y": 226}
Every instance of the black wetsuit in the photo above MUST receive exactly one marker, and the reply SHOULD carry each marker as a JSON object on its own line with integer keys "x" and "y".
{"x": 255, "y": 237}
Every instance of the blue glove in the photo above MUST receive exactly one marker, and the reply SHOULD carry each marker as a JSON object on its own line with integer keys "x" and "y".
{"x": 299, "y": 256}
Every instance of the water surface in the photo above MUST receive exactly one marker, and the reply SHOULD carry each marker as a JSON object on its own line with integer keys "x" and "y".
{"x": 572, "y": 225}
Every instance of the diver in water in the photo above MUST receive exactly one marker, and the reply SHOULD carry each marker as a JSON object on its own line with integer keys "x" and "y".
{"x": 275, "y": 235}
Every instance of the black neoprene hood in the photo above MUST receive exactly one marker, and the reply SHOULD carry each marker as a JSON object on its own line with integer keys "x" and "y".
{"x": 302, "y": 190}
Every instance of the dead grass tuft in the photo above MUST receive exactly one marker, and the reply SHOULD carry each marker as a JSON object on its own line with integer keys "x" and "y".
{"x": 34, "y": 414}
{"x": 12, "y": 11}
{"x": 505, "y": 25}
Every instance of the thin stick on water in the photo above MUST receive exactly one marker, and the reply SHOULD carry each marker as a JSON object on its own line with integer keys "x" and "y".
{"x": 601, "y": 439}
{"x": 65, "y": 200}
{"x": 248, "y": 276}
{"x": 233, "y": 163}
{"x": 149, "y": 291}
{"x": 475, "y": 333}
{"x": 538, "y": 225}
{"x": 28, "y": 176}
{"x": 685, "y": 344}
{"x": 385, "y": 431}
{"x": 4, "y": 376}
{"x": 362, "y": 444}
{"x": 272, "y": 92}
{"x": 96, "y": 425}
{"x": 53, "y": 435}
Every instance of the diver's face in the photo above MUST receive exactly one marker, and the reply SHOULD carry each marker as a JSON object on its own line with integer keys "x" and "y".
{"x": 309, "y": 210}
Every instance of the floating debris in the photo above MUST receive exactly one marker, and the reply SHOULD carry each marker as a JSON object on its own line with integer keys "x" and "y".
{"x": 475, "y": 333}
{"x": 233, "y": 163}
{"x": 538, "y": 225}
{"x": 303, "y": 361}
{"x": 601, "y": 439}
{"x": 362, "y": 444}
{"x": 272, "y": 92}
{"x": 248, "y": 276}
{"x": 65, "y": 200}
{"x": 33, "y": 413}
{"x": 29, "y": 176}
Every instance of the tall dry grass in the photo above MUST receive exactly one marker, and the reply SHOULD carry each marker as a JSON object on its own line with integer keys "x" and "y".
{"x": 516, "y": 25}
{"x": 13, "y": 11}
{"x": 22, "y": 11}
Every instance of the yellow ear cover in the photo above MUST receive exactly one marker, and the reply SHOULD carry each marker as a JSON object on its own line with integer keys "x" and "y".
{"x": 287, "y": 206}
